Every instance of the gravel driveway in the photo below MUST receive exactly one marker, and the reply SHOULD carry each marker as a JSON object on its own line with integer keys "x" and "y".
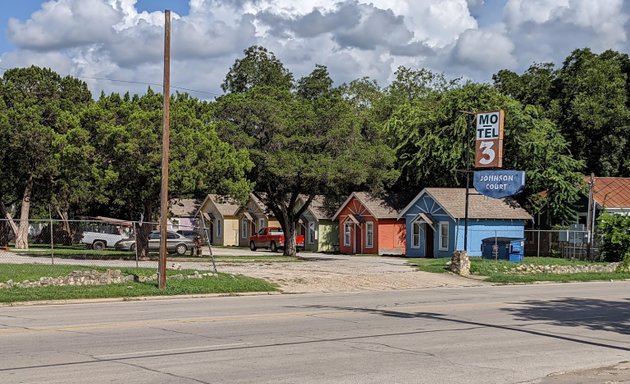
{"x": 341, "y": 273}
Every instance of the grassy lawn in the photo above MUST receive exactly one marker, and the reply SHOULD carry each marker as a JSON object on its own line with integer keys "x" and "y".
{"x": 223, "y": 283}
{"x": 504, "y": 271}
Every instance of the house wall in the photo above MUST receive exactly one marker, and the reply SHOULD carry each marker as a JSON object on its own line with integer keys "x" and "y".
{"x": 391, "y": 237}
{"x": 183, "y": 223}
{"x": 327, "y": 236}
{"x": 230, "y": 231}
{"x": 425, "y": 205}
{"x": 478, "y": 229}
{"x": 482, "y": 229}
{"x": 357, "y": 244}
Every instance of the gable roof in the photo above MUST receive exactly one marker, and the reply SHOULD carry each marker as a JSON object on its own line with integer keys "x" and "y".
{"x": 453, "y": 201}
{"x": 316, "y": 208}
{"x": 225, "y": 205}
{"x": 612, "y": 192}
{"x": 385, "y": 207}
{"x": 184, "y": 207}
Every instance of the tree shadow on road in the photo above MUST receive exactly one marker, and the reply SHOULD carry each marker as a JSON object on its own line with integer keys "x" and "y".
{"x": 595, "y": 314}
{"x": 613, "y": 316}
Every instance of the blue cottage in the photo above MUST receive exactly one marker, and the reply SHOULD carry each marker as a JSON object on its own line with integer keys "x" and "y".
{"x": 435, "y": 221}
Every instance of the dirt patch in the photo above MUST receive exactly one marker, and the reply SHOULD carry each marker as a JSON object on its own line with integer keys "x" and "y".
{"x": 339, "y": 273}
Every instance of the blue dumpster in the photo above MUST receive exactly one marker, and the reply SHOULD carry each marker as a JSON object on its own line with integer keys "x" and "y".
{"x": 503, "y": 248}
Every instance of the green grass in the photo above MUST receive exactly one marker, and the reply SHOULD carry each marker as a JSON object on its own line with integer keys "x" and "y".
{"x": 502, "y": 271}
{"x": 76, "y": 253}
{"x": 559, "y": 278}
{"x": 223, "y": 283}
{"x": 430, "y": 265}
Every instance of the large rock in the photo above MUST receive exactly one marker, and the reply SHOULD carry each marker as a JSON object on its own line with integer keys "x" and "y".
{"x": 460, "y": 263}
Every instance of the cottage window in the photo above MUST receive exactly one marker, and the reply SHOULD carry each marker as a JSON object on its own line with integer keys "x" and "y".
{"x": 369, "y": 234}
{"x": 261, "y": 223}
{"x": 415, "y": 234}
{"x": 244, "y": 229}
{"x": 443, "y": 236}
{"x": 218, "y": 227}
{"x": 311, "y": 232}
{"x": 346, "y": 233}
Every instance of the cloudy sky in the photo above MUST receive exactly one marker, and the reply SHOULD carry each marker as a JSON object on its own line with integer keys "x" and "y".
{"x": 117, "y": 45}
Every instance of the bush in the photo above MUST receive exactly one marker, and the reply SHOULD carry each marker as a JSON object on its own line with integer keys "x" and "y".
{"x": 615, "y": 237}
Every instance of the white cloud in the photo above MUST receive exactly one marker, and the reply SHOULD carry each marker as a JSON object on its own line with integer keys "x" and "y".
{"x": 484, "y": 50}
{"x": 354, "y": 38}
{"x": 65, "y": 24}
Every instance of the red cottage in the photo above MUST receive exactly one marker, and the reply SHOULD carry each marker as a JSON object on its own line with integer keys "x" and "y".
{"x": 369, "y": 225}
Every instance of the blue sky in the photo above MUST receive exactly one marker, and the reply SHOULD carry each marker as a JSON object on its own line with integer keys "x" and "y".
{"x": 472, "y": 39}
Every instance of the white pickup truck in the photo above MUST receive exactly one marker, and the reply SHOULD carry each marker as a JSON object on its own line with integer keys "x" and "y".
{"x": 99, "y": 241}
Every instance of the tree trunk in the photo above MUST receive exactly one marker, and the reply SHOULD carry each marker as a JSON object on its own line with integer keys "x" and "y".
{"x": 289, "y": 240}
{"x": 9, "y": 219}
{"x": 21, "y": 238}
{"x": 65, "y": 227}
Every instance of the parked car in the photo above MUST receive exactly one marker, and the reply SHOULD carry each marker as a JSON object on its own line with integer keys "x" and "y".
{"x": 175, "y": 243}
{"x": 99, "y": 241}
{"x": 272, "y": 238}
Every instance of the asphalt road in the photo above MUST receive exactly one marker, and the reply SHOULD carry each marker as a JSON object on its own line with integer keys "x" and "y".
{"x": 490, "y": 334}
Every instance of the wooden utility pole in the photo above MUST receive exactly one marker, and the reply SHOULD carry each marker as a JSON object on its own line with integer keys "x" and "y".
{"x": 165, "y": 149}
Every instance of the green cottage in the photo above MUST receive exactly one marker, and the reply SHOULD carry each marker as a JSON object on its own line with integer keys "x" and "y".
{"x": 321, "y": 233}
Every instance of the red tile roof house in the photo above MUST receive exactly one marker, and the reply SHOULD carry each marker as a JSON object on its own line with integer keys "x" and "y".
{"x": 612, "y": 194}
{"x": 370, "y": 225}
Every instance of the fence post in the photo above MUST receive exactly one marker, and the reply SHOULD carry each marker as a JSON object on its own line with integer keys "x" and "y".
{"x": 52, "y": 239}
{"x": 135, "y": 235}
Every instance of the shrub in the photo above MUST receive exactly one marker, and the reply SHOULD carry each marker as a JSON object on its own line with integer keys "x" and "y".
{"x": 615, "y": 236}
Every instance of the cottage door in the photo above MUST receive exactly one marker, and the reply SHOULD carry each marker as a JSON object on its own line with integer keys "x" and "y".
{"x": 358, "y": 244}
{"x": 428, "y": 243}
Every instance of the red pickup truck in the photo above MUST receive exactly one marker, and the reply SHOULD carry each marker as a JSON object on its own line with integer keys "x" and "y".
{"x": 272, "y": 238}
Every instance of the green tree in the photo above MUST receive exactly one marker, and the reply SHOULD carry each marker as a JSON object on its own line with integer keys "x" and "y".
{"x": 127, "y": 135}
{"x": 593, "y": 110}
{"x": 588, "y": 99}
{"x": 258, "y": 67}
{"x": 38, "y": 106}
{"x": 615, "y": 237}
{"x": 429, "y": 135}
{"x": 305, "y": 143}
{"x": 534, "y": 87}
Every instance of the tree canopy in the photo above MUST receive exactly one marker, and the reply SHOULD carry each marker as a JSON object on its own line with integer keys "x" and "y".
{"x": 286, "y": 138}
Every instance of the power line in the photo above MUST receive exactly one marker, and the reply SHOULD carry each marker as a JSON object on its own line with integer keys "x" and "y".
{"x": 136, "y": 82}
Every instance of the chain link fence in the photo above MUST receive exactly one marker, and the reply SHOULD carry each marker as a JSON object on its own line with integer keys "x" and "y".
{"x": 98, "y": 243}
{"x": 565, "y": 243}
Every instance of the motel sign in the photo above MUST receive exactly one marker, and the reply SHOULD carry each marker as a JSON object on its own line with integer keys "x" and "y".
{"x": 489, "y": 143}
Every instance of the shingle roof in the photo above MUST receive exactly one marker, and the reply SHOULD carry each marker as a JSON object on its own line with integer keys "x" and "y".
{"x": 317, "y": 208}
{"x": 385, "y": 207}
{"x": 184, "y": 207}
{"x": 453, "y": 200}
{"x": 612, "y": 192}
{"x": 225, "y": 205}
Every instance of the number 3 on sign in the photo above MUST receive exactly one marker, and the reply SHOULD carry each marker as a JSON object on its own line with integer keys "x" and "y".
{"x": 487, "y": 152}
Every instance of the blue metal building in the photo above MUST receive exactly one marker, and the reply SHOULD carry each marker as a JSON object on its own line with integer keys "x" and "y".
{"x": 435, "y": 221}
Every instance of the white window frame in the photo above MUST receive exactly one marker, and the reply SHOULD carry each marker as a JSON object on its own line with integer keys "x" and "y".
{"x": 347, "y": 233}
{"x": 369, "y": 234}
{"x": 415, "y": 236}
{"x": 261, "y": 224}
{"x": 218, "y": 227}
{"x": 442, "y": 235}
{"x": 311, "y": 232}
{"x": 244, "y": 225}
